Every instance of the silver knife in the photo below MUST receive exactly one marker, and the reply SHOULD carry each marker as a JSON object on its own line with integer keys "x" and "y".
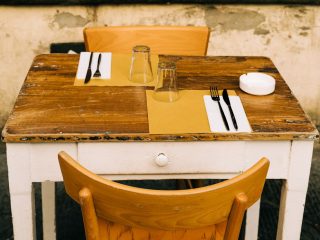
{"x": 227, "y": 101}
{"x": 89, "y": 73}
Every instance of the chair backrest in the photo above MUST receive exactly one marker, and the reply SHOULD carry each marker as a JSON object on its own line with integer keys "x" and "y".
{"x": 110, "y": 208}
{"x": 171, "y": 40}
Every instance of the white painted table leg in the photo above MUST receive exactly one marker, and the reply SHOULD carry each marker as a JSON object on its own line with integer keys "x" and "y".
{"x": 48, "y": 210}
{"x": 294, "y": 191}
{"x": 21, "y": 191}
{"x": 252, "y": 222}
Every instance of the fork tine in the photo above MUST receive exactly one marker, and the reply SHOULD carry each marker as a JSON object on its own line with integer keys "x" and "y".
{"x": 213, "y": 93}
{"x": 217, "y": 92}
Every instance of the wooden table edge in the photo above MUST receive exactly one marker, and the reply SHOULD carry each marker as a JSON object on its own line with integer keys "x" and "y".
{"x": 146, "y": 137}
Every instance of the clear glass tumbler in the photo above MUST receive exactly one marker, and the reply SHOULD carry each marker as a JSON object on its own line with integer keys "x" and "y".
{"x": 140, "y": 70}
{"x": 166, "y": 87}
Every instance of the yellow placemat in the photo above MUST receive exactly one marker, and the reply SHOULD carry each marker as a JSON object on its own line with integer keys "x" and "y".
{"x": 186, "y": 115}
{"x": 120, "y": 68}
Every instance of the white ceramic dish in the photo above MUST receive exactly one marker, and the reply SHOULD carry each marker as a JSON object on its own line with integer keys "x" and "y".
{"x": 257, "y": 83}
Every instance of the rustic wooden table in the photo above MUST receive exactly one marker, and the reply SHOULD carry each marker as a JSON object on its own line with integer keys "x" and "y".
{"x": 106, "y": 129}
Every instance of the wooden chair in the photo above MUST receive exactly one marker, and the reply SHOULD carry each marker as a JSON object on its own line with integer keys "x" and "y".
{"x": 115, "y": 211}
{"x": 172, "y": 40}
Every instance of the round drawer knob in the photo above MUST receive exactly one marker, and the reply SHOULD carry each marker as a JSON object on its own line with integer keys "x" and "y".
{"x": 161, "y": 160}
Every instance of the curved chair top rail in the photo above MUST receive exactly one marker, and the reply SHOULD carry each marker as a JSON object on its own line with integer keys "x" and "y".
{"x": 170, "y": 40}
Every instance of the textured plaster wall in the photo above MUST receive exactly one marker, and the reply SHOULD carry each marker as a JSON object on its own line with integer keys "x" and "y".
{"x": 289, "y": 35}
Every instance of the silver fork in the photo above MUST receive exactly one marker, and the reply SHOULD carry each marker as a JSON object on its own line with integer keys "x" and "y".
{"x": 97, "y": 72}
{"x": 215, "y": 97}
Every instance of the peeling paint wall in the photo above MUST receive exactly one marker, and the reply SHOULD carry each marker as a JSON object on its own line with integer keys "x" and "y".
{"x": 290, "y": 36}
{"x": 227, "y": 19}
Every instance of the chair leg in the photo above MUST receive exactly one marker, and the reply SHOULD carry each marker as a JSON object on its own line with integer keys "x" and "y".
{"x": 189, "y": 184}
{"x": 196, "y": 183}
{"x": 181, "y": 184}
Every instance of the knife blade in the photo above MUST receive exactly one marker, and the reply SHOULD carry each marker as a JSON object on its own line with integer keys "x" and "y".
{"x": 227, "y": 101}
{"x": 89, "y": 73}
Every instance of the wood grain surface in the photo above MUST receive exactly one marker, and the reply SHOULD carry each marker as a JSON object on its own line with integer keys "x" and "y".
{"x": 161, "y": 214}
{"x": 50, "y": 109}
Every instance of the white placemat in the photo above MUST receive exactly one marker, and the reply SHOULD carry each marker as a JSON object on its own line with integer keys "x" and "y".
{"x": 105, "y": 65}
{"x": 215, "y": 119}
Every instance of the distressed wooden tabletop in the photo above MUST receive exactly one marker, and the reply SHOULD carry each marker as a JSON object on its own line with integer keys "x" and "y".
{"x": 50, "y": 109}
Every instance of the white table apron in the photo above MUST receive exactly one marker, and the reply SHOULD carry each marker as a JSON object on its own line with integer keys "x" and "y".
{"x": 37, "y": 162}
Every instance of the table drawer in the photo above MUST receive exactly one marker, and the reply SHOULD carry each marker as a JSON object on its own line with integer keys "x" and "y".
{"x": 134, "y": 158}
{"x": 182, "y": 157}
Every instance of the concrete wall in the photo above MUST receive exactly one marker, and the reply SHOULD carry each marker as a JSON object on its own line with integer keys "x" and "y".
{"x": 289, "y": 35}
